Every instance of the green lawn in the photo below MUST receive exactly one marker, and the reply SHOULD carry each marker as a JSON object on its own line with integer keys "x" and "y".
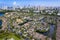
{"x": 9, "y": 35}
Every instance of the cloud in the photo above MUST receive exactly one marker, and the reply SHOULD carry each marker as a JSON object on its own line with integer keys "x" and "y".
{"x": 14, "y": 3}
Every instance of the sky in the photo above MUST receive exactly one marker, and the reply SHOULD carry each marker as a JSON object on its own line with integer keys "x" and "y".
{"x": 30, "y": 2}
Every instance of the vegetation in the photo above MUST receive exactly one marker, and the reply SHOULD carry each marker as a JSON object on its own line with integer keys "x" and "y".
{"x": 9, "y": 35}
{"x": 7, "y": 11}
{"x": 32, "y": 15}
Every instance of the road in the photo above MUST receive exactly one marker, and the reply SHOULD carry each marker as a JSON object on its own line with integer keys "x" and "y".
{"x": 58, "y": 29}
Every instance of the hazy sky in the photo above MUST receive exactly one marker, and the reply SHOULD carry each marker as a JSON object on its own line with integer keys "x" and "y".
{"x": 31, "y": 2}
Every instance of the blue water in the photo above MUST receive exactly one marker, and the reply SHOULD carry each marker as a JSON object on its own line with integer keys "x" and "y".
{"x": 51, "y": 31}
{"x": 1, "y": 14}
{"x": 0, "y": 22}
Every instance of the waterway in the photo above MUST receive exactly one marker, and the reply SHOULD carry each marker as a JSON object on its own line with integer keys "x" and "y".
{"x": 0, "y": 22}
{"x": 1, "y": 14}
{"x": 50, "y": 32}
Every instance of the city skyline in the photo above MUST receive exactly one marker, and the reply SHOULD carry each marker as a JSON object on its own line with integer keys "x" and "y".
{"x": 53, "y": 3}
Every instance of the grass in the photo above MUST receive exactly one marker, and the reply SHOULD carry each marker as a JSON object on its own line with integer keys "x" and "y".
{"x": 15, "y": 37}
{"x": 9, "y": 35}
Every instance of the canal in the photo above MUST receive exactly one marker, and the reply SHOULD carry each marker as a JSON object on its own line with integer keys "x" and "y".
{"x": 1, "y": 14}
{"x": 50, "y": 32}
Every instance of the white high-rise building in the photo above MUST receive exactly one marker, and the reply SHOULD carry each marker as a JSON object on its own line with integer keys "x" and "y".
{"x": 4, "y": 7}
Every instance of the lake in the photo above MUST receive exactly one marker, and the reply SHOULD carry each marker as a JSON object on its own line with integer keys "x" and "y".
{"x": 50, "y": 32}
{"x": 0, "y": 22}
{"x": 2, "y": 14}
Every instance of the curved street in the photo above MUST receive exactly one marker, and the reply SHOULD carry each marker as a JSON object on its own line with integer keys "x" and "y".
{"x": 58, "y": 29}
